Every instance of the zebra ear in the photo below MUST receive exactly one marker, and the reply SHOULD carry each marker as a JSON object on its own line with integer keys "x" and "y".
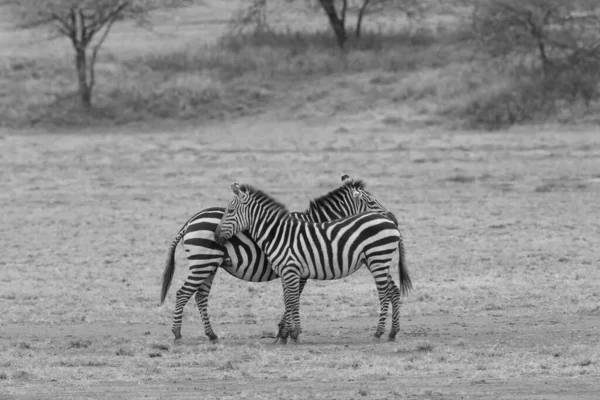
{"x": 345, "y": 178}
{"x": 236, "y": 189}
{"x": 355, "y": 194}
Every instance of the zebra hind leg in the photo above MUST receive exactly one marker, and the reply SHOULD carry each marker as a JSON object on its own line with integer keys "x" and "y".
{"x": 396, "y": 303}
{"x": 381, "y": 281}
{"x": 196, "y": 277}
{"x": 202, "y": 303}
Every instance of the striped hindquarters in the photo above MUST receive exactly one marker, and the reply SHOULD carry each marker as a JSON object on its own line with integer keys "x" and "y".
{"x": 247, "y": 261}
{"x": 333, "y": 250}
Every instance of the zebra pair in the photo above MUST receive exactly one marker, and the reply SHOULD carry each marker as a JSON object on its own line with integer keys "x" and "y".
{"x": 242, "y": 257}
{"x": 300, "y": 250}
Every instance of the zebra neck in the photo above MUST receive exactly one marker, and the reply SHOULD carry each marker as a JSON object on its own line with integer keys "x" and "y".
{"x": 265, "y": 227}
{"x": 329, "y": 211}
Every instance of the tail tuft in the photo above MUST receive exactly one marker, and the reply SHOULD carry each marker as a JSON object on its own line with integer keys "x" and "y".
{"x": 170, "y": 266}
{"x": 405, "y": 282}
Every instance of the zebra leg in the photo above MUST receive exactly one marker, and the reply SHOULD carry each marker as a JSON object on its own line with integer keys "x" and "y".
{"x": 202, "y": 303}
{"x": 381, "y": 276}
{"x": 396, "y": 303}
{"x": 197, "y": 275}
{"x": 286, "y": 322}
{"x": 284, "y": 317}
{"x": 291, "y": 278}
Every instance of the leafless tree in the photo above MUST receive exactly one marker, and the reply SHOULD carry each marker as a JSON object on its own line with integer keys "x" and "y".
{"x": 252, "y": 16}
{"x": 410, "y": 8}
{"x": 337, "y": 19}
{"x": 86, "y": 23}
{"x": 559, "y": 33}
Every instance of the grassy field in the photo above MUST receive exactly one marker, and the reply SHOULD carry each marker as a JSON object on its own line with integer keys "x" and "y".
{"x": 499, "y": 230}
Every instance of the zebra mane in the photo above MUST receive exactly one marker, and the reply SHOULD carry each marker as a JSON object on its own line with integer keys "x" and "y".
{"x": 357, "y": 184}
{"x": 265, "y": 199}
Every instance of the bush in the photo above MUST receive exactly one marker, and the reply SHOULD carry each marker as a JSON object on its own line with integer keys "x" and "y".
{"x": 550, "y": 51}
{"x": 532, "y": 97}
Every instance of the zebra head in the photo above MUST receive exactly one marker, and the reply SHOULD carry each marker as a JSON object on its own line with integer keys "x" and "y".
{"x": 363, "y": 200}
{"x": 235, "y": 218}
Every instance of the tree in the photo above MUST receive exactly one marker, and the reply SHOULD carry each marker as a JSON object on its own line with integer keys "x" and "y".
{"x": 86, "y": 23}
{"x": 561, "y": 34}
{"x": 337, "y": 16}
{"x": 253, "y": 16}
{"x": 410, "y": 8}
{"x": 337, "y": 20}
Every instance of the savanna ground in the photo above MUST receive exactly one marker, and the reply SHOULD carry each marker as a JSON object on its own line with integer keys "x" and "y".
{"x": 500, "y": 228}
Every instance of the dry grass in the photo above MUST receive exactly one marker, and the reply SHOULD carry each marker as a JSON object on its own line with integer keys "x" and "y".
{"x": 239, "y": 75}
{"x": 189, "y": 68}
{"x": 506, "y": 284}
{"x": 187, "y": 71}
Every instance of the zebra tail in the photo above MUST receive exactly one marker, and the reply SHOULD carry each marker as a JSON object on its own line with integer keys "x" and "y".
{"x": 405, "y": 282}
{"x": 170, "y": 265}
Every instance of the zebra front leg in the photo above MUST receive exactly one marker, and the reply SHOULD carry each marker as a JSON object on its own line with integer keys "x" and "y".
{"x": 286, "y": 322}
{"x": 290, "y": 277}
{"x": 284, "y": 317}
{"x": 396, "y": 304}
{"x": 202, "y": 303}
{"x": 196, "y": 277}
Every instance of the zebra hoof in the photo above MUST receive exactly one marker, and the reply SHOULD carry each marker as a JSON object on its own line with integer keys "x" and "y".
{"x": 392, "y": 337}
{"x": 177, "y": 334}
{"x": 294, "y": 341}
{"x": 282, "y": 341}
{"x": 214, "y": 340}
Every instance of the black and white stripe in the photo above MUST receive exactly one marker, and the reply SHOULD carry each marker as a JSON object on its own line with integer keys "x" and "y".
{"x": 329, "y": 250}
{"x": 242, "y": 257}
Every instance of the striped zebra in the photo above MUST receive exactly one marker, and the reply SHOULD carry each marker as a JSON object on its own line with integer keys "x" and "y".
{"x": 241, "y": 257}
{"x": 299, "y": 250}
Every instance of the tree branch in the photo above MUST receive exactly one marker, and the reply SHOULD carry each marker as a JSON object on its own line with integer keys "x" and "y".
{"x": 64, "y": 26}
{"x": 95, "y": 50}
{"x": 102, "y": 21}
{"x": 73, "y": 31}
{"x": 83, "y": 28}
{"x": 343, "y": 12}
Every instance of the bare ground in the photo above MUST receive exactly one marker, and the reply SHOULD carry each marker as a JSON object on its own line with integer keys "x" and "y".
{"x": 499, "y": 228}
{"x": 517, "y": 333}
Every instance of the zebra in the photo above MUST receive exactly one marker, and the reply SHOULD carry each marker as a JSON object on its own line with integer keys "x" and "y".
{"x": 241, "y": 257}
{"x": 330, "y": 250}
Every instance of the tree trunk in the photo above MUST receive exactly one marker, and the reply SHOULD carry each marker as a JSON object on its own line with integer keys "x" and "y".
{"x": 85, "y": 92}
{"x": 361, "y": 14}
{"x": 336, "y": 22}
{"x": 544, "y": 57}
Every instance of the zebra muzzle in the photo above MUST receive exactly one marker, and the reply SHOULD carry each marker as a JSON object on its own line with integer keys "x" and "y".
{"x": 218, "y": 238}
{"x": 391, "y": 216}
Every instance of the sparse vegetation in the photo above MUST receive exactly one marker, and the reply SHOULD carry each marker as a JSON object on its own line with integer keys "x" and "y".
{"x": 430, "y": 64}
{"x": 80, "y": 344}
